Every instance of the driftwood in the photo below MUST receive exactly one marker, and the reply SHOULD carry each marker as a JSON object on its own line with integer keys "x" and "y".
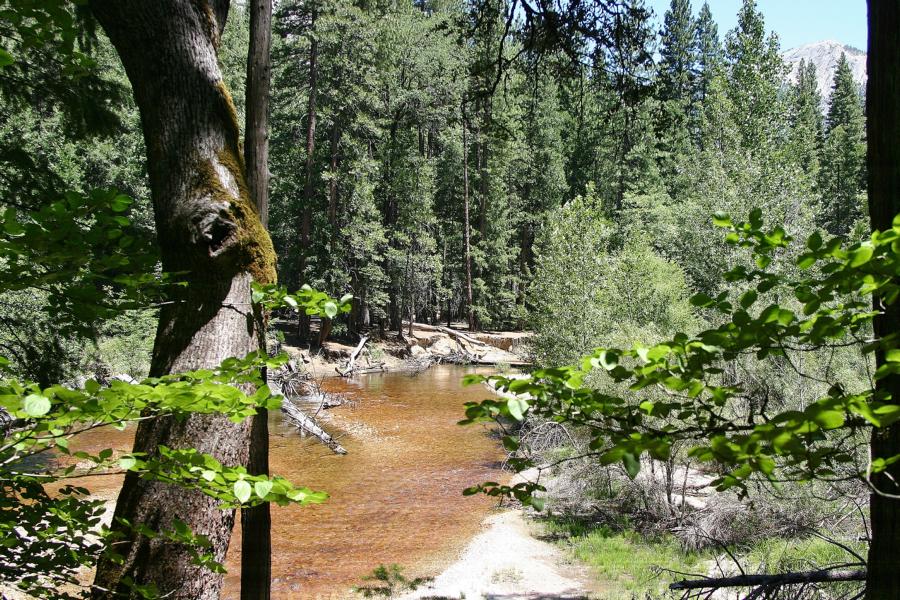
{"x": 307, "y": 425}
{"x": 823, "y": 576}
{"x": 347, "y": 371}
{"x": 452, "y": 333}
{"x": 284, "y": 380}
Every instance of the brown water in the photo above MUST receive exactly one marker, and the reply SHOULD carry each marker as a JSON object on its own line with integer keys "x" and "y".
{"x": 395, "y": 498}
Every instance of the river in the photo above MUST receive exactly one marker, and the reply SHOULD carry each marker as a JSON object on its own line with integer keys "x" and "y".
{"x": 396, "y": 497}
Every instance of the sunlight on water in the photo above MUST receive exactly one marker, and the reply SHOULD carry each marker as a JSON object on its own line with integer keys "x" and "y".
{"x": 395, "y": 498}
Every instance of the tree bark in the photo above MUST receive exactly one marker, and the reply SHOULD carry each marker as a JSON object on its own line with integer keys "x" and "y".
{"x": 256, "y": 522}
{"x": 883, "y": 130}
{"x": 208, "y": 227}
{"x": 466, "y": 226}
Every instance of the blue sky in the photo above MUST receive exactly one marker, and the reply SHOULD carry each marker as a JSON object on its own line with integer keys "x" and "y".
{"x": 797, "y": 22}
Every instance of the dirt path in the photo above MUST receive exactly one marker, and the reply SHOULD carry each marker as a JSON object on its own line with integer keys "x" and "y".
{"x": 505, "y": 562}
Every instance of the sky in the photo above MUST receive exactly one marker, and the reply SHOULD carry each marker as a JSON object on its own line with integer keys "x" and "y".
{"x": 797, "y": 22}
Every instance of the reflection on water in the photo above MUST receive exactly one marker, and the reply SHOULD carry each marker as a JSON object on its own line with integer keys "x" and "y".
{"x": 395, "y": 498}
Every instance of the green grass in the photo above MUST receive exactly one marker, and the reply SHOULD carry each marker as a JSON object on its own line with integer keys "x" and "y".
{"x": 624, "y": 562}
{"x": 777, "y": 555}
{"x": 628, "y": 565}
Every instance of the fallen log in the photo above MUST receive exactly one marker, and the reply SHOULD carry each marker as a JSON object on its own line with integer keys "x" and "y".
{"x": 823, "y": 576}
{"x": 307, "y": 425}
{"x": 451, "y": 332}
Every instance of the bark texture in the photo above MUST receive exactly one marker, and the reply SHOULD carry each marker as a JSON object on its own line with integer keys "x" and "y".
{"x": 256, "y": 522}
{"x": 208, "y": 227}
{"x": 883, "y": 130}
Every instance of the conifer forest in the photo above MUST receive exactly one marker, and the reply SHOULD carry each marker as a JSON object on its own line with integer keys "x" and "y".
{"x": 445, "y": 299}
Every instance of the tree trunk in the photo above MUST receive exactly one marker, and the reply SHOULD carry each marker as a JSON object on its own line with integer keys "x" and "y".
{"x": 466, "y": 227}
{"x": 883, "y": 128}
{"x": 308, "y": 189}
{"x": 256, "y": 522}
{"x": 207, "y": 226}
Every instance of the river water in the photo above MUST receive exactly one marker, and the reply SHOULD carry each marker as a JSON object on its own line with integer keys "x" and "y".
{"x": 396, "y": 497}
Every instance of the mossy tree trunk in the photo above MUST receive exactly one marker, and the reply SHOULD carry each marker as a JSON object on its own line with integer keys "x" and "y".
{"x": 883, "y": 130}
{"x": 208, "y": 227}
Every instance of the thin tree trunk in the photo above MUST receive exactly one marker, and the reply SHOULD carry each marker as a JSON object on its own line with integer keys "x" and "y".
{"x": 256, "y": 522}
{"x": 332, "y": 182}
{"x": 883, "y": 129}
{"x": 208, "y": 227}
{"x": 308, "y": 188}
{"x": 466, "y": 226}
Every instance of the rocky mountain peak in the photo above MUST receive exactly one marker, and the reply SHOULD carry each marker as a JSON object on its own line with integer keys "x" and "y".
{"x": 825, "y": 55}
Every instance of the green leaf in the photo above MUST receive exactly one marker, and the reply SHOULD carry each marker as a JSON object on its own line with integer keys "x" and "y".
{"x": 127, "y": 462}
{"x": 242, "y": 490}
{"x": 120, "y": 203}
{"x": 6, "y": 58}
{"x": 331, "y": 310}
{"x": 748, "y": 298}
{"x": 861, "y": 256}
{"x": 721, "y": 219}
{"x": 517, "y": 407}
{"x": 36, "y": 405}
{"x": 262, "y": 488}
{"x": 632, "y": 464}
{"x": 814, "y": 242}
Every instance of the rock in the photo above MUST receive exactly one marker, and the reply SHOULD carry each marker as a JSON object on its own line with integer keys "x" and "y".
{"x": 417, "y": 351}
{"x": 443, "y": 346}
{"x": 334, "y": 351}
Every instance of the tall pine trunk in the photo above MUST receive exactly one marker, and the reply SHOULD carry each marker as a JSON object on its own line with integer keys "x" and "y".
{"x": 256, "y": 522}
{"x": 470, "y": 309}
{"x": 883, "y": 129}
{"x": 208, "y": 227}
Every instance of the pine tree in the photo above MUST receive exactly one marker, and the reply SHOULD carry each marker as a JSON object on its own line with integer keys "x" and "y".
{"x": 845, "y": 105}
{"x": 755, "y": 79}
{"x": 709, "y": 52}
{"x": 806, "y": 120}
{"x": 676, "y": 66}
{"x": 675, "y": 82}
{"x": 842, "y": 176}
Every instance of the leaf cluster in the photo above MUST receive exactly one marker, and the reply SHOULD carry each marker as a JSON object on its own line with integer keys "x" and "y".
{"x": 834, "y": 283}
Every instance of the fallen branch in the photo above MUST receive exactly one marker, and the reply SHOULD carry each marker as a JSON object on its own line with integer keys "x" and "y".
{"x": 307, "y": 425}
{"x": 823, "y": 576}
{"x": 347, "y": 371}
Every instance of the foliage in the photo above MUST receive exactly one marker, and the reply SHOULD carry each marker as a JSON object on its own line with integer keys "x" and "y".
{"x": 73, "y": 251}
{"x": 390, "y": 581}
{"x": 584, "y": 289}
{"x": 628, "y": 564}
{"x": 743, "y": 438}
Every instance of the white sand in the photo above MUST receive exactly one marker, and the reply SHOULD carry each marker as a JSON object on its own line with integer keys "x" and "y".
{"x": 505, "y": 562}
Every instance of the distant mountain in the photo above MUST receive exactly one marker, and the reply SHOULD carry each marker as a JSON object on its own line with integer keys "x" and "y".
{"x": 825, "y": 56}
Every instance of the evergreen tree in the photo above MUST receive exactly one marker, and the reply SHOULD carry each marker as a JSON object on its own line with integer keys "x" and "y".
{"x": 806, "y": 120}
{"x": 709, "y": 52}
{"x": 755, "y": 79}
{"x": 677, "y": 53}
{"x": 842, "y": 176}
{"x": 845, "y": 104}
{"x": 676, "y": 82}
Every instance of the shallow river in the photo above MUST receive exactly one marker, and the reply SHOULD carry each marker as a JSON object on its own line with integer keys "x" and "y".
{"x": 395, "y": 498}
